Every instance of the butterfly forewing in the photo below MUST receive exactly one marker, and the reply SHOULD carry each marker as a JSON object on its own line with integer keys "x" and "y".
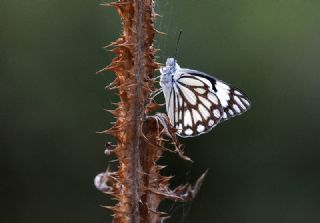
{"x": 233, "y": 101}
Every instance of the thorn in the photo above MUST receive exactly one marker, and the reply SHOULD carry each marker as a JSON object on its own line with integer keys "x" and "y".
{"x": 111, "y": 86}
{"x": 101, "y": 70}
{"x": 110, "y": 45}
{"x": 114, "y": 4}
{"x": 161, "y": 33}
{"x": 103, "y": 132}
{"x": 156, "y": 15}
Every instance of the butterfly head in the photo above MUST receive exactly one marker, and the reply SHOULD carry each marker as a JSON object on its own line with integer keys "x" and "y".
{"x": 171, "y": 66}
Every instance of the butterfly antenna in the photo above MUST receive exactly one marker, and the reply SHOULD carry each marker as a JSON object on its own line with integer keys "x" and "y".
{"x": 177, "y": 46}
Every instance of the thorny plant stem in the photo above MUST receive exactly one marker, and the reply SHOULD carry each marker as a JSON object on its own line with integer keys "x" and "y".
{"x": 138, "y": 113}
{"x": 137, "y": 184}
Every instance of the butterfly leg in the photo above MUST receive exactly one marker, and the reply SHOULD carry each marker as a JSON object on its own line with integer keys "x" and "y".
{"x": 110, "y": 86}
{"x": 156, "y": 78}
{"x": 155, "y": 93}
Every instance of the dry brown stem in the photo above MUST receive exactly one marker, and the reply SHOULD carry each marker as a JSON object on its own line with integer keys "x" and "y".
{"x": 137, "y": 184}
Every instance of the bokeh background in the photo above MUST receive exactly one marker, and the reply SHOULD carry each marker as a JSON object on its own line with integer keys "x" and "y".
{"x": 263, "y": 166}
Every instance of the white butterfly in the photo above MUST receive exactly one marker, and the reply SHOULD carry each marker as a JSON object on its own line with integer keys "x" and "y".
{"x": 197, "y": 102}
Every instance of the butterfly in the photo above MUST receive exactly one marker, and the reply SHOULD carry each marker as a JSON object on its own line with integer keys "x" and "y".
{"x": 196, "y": 102}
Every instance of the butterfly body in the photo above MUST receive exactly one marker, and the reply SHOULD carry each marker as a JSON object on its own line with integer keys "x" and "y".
{"x": 196, "y": 102}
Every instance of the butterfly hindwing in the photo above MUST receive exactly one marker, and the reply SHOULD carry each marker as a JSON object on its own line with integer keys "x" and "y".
{"x": 197, "y": 108}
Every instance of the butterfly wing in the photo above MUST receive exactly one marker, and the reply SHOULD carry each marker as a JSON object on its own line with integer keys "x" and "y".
{"x": 192, "y": 107}
{"x": 233, "y": 101}
{"x": 197, "y": 102}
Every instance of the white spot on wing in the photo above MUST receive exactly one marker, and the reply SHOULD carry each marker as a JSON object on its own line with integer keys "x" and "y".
{"x": 188, "y": 94}
{"x": 213, "y": 98}
{"x": 239, "y": 102}
{"x": 200, "y": 128}
{"x": 224, "y": 115}
{"x": 231, "y": 112}
{"x": 206, "y": 81}
{"x": 216, "y": 113}
{"x": 204, "y": 111}
{"x": 224, "y": 103}
{"x": 235, "y": 107}
{"x": 176, "y": 116}
{"x": 205, "y": 102}
{"x": 176, "y": 109}
{"x": 191, "y": 81}
{"x": 223, "y": 95}
{"x": 238, "y": 93}
{"x": 222, "y": 85}
{"x": 170, "y": 107}
{"x": 245, "y": 101}
{"x": 180, "y": 99}
{"x": 200, "y": 90}
{"x": 187, "y": 118}
{"x": 189, "y": 132}
{"x": 196, "y": 116}
{"x": 211, "y": 122}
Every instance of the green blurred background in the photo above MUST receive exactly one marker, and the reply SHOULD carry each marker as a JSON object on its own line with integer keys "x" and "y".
{"x": 264, "y": 165}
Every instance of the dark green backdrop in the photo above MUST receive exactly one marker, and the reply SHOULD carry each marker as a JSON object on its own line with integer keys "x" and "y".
{"x": 264, "y": 166}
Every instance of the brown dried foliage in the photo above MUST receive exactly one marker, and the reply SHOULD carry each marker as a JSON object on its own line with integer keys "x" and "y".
{"x": 137, "y": 185}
